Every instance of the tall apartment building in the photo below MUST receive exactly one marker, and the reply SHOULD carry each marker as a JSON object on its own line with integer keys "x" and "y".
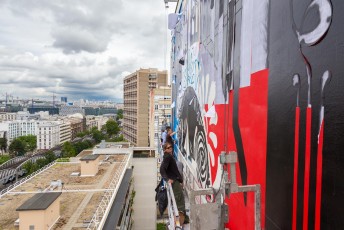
{"x": 160, "y": 113}
{"x": 48, "y": 134}
{"x": 65, "y": 131}
{"x": 137, "y": 87}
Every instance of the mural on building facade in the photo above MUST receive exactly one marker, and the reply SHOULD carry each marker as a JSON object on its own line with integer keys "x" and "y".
{"x": 252, "y": 77}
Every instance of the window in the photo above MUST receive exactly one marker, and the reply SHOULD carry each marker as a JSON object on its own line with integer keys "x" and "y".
{"x": 32, "y": 227}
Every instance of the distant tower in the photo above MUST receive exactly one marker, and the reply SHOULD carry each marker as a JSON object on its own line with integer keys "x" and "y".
{"x": 53, "y": 99}
{"x": 64, "y": 99}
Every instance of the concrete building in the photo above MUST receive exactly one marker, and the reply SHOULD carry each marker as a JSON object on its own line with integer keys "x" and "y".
{"x": 14, "y": 129}
{"x": 66, "y": 110}
{"x": 8, "y": 116}
{"x": 136, "y": 96}
{"x": 39, "y": 212}
{"x": 159, "y": 113}
{"x": 78, "y": 124}
{"x": 48, "y": 135}
{"x": 65, "y": 131}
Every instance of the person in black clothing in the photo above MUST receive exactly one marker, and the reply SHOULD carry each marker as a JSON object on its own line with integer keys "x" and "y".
{"x": 169, "y": 171}
{"x": 169, "y": 135}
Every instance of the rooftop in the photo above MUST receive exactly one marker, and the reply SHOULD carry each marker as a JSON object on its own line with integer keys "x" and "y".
{"x": 80, "y": 196}
{"x": 40, "y": 201}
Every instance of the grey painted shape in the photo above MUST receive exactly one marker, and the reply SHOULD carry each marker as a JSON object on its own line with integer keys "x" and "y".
{"x": 40, "y": 201}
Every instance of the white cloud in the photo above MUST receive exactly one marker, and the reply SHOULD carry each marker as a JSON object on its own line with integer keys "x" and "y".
{"x": 78, "y": 49}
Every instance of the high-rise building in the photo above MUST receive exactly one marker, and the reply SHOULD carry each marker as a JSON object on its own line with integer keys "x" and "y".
{"x": 160, "y": 113}
{"x": 136, "y": 97}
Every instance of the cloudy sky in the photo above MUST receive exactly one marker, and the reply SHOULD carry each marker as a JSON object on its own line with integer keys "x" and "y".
{"x": 78, "y": 48}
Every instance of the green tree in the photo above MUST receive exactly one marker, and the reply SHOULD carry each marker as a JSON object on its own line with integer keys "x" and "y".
{"x": 17, "y": 148}
{"x": 30, "y": 142}
{"x": 41, "y": 162}
{"x": 30, "y": 167}
{"x": 119, "y": 114}
{"x": 49, "y": 156}
{"x": 112, "y": 128}
{"x": 82, "y": 134}
{"x": 68, "y": 150}
{"x": 97, "y": 135}
{"x": 3, "y": 144}
{"x": 4, "y": 158}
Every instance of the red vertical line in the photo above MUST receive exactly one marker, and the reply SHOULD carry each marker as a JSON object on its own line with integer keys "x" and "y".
{"x": 307, "y": 167}
{"x": 296, "y": 165}
{"x": 319, "y": 178}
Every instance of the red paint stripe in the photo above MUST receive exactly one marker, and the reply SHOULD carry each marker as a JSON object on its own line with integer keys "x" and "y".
{"x": 296, "y": 165}
{"x": 307, "y": 167}
{"x": 319, "y": 179}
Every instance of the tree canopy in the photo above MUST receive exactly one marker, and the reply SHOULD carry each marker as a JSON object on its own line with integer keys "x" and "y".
{"x": 3, "y": 144}
{"x": 112, "y": 128}
{"x": 30, "y": 142}
{"x": 17, "y": 148}
{"x": 119, "y": 114}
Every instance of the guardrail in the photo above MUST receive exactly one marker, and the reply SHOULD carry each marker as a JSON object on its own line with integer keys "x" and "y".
{"x": 103, "y": 209}
{"x": 25, "y": 179}
{"x": 13, "y": 161}
{"x": 173, "y": 213}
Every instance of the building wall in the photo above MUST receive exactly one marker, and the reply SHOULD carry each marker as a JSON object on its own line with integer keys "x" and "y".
{"x": 159, "y": 113}
{"x": 16, "y": 129}
{"x": 40, "y": 219}
{"x": 7, "y": 116}
{"x": 48, "y": 135}
{"x": 264, "y": 79}
{"x": 136, "y": 104}
{"x": 89, "y": 168}
{"x": 32, "y": 217}
{"x": 65, "y": 131}
{"x": 52, "y": 213}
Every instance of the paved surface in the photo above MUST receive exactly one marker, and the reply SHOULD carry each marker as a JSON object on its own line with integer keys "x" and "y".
{"x": 145, "y": 179}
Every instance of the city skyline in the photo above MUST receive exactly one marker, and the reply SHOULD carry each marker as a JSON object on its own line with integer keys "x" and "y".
{"x": 79, "y": 51}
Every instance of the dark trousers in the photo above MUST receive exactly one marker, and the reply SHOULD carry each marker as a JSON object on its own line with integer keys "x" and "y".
{"x": 179, "y": 196}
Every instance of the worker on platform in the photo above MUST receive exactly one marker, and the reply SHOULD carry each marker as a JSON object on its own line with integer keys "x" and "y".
{"x": 169, "y": 171}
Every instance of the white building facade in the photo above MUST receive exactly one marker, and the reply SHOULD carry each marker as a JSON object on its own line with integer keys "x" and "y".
{"x": 48, "y": 134}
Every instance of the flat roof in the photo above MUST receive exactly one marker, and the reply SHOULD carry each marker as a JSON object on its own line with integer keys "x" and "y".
{"x": 75, "y": 190}
{"x": 89, "y": 157}
{"x": 40, "y": 201}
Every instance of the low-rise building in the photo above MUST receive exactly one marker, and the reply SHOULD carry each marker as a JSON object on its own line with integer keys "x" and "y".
{"x": 41, "y": 211}
{"x": 89, "y": 165}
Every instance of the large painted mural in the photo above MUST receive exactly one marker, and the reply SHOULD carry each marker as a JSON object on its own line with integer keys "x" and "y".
{"x": 264, "y": 78}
